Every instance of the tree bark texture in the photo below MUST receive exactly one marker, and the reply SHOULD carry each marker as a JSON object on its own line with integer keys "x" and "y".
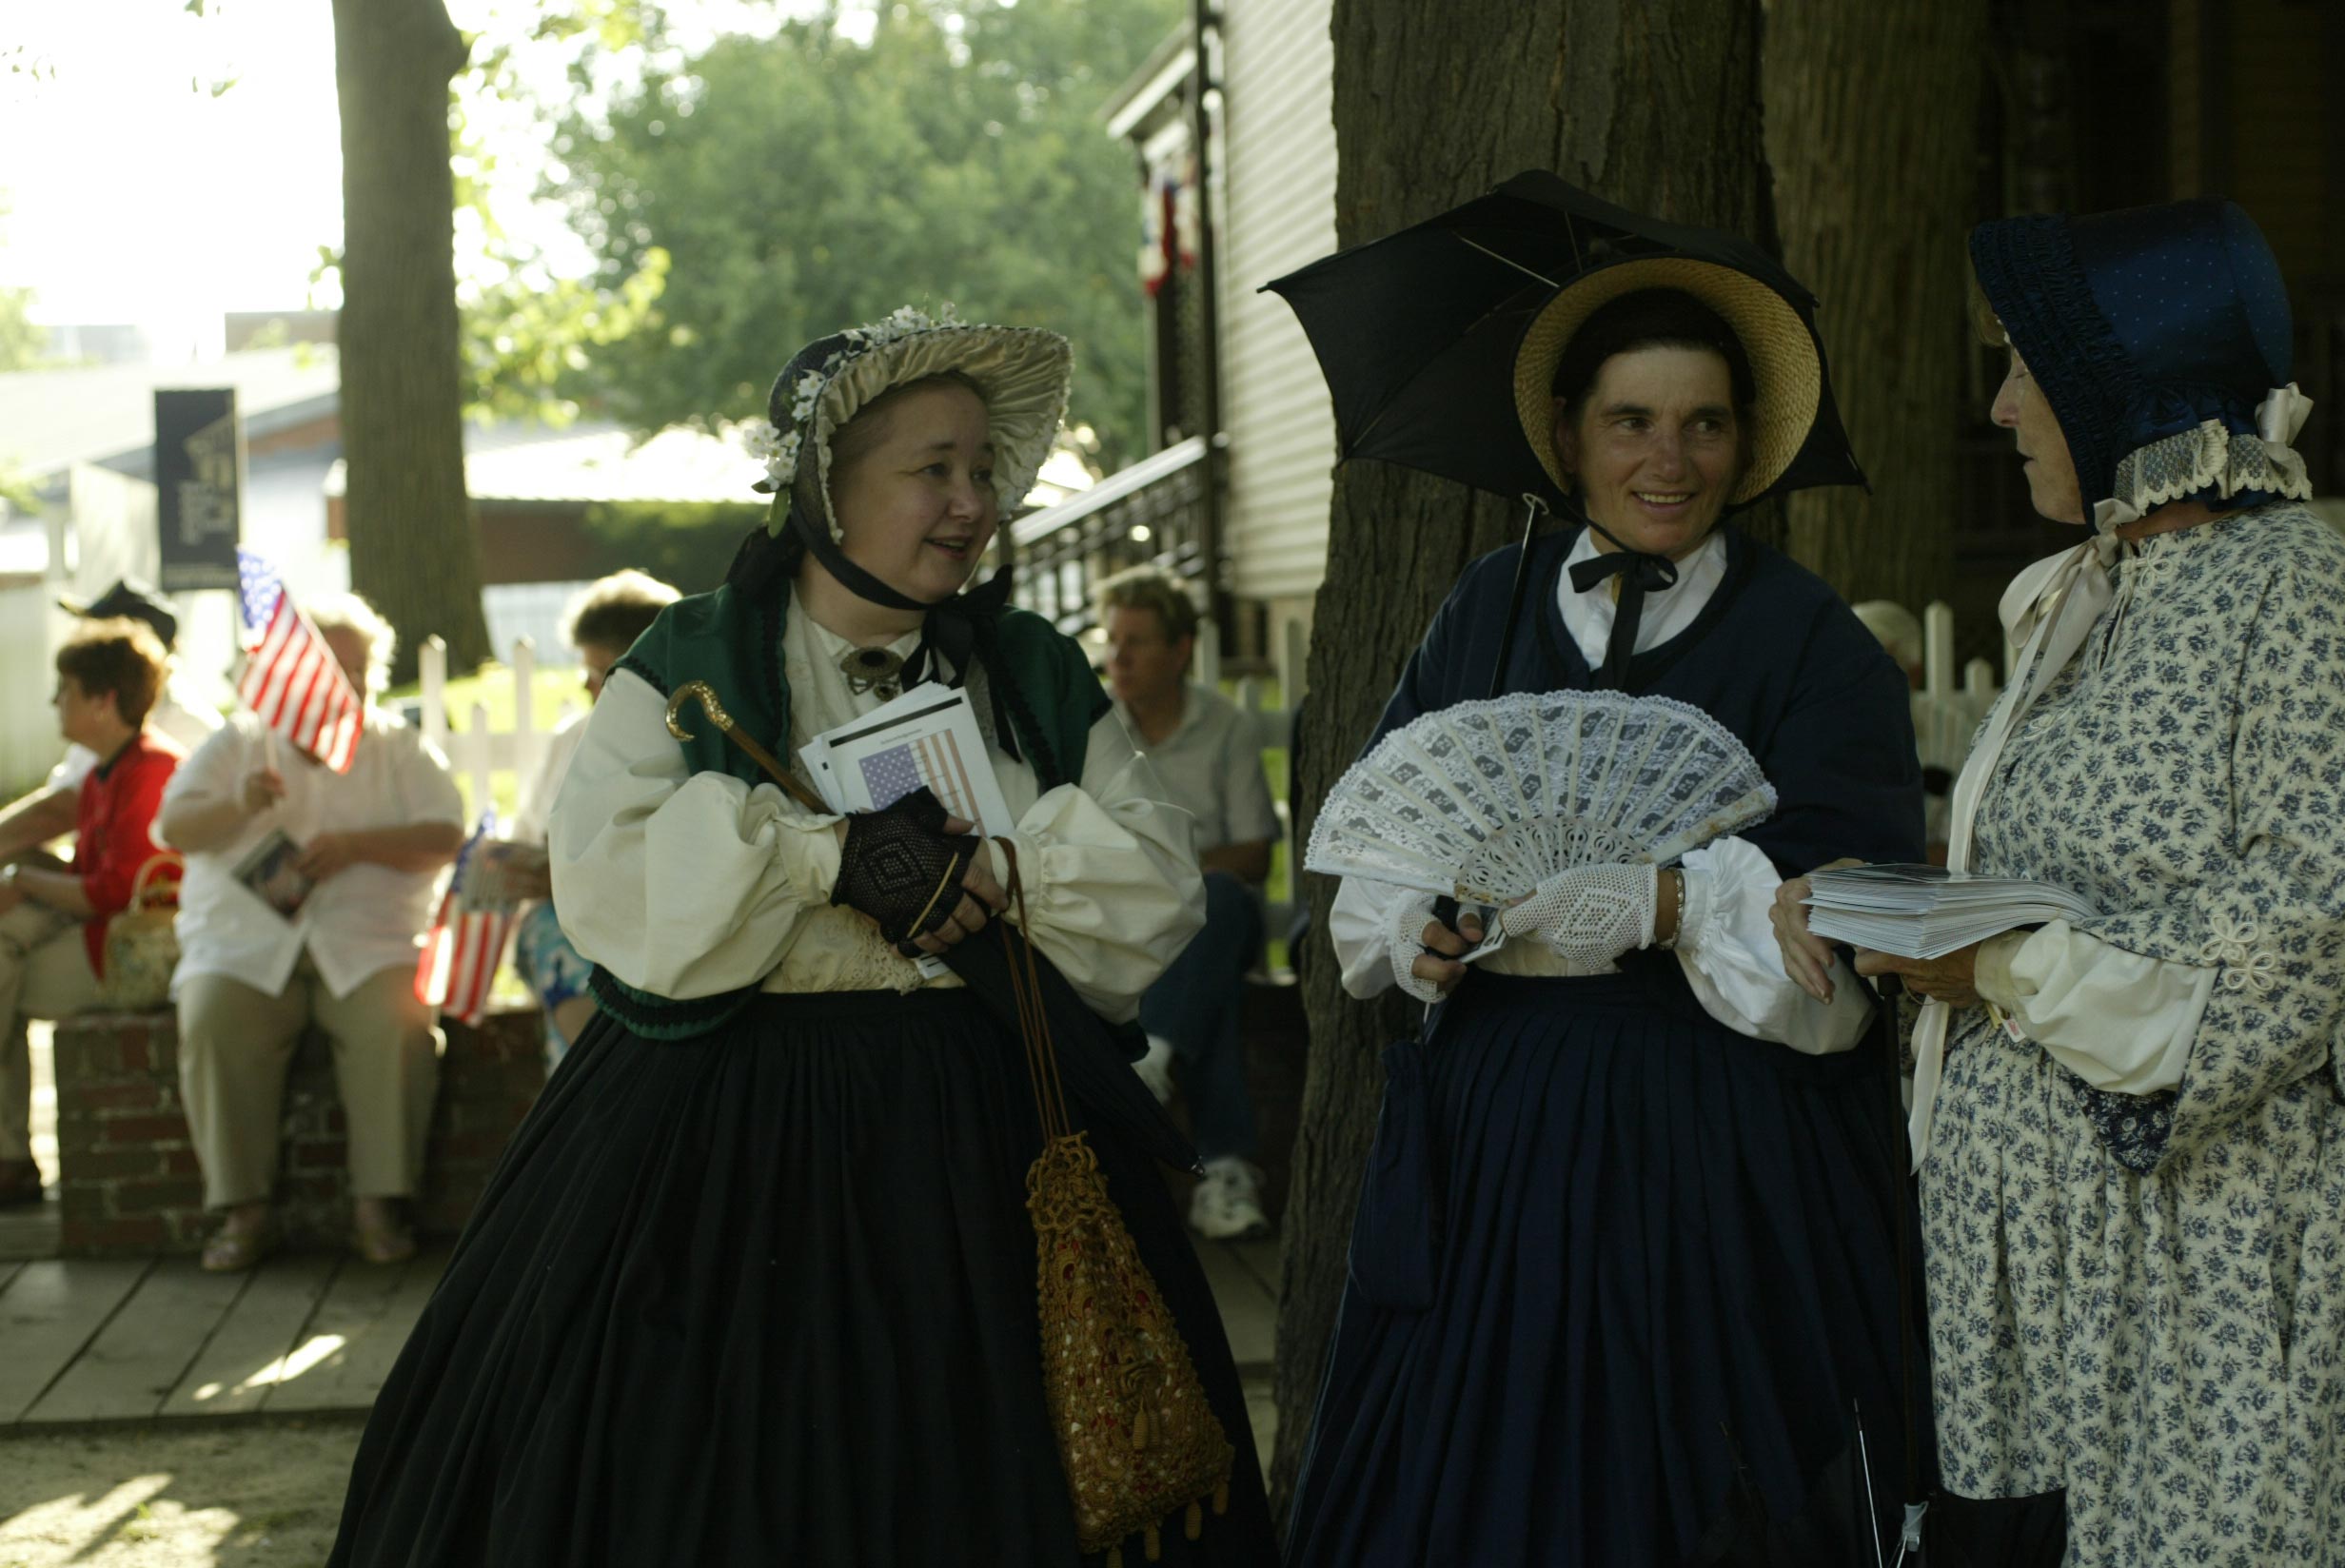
{"x": 1653, "y": 104}
{"x": 414, "y": 549}
{"x": 1872, "y": 138}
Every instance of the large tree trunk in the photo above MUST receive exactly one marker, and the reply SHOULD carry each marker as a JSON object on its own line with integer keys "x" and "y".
{"x": 1872, "y": 136}
{"x": 1651, "y": 103}
{"x": 414, "y": 551}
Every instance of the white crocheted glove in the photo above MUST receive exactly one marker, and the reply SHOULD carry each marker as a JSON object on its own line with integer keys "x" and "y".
{"x": 1406, "y": 941}
{"x": 1590, "y": 914}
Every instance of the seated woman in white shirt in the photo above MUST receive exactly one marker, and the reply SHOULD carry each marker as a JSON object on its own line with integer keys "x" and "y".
{"x": 602, "y": 623}
{"x": 757, "y": 1281}
{"x": 367, "y": 845}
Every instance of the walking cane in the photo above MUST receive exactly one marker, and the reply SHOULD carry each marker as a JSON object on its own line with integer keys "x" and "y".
{"x": 700, "y": 691}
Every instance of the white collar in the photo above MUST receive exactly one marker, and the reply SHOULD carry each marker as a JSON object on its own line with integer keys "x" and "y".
{"x": 1588, "y": 616}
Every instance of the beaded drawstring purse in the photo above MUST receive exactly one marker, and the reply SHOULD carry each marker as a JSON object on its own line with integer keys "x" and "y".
{"x": 1136, "y": 1438}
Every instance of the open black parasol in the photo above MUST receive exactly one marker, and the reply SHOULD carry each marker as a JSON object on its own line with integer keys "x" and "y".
{"x": 1417, "y": 333}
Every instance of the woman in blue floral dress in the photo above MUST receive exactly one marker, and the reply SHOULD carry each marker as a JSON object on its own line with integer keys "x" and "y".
{"x": 2132, "y": 1174}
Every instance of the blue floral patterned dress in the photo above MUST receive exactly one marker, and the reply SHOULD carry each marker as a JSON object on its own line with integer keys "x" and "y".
{"x": 2141, "y": 1299}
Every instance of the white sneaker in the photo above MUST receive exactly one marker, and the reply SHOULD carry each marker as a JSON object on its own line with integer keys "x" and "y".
{"x": 1227, "y": 1205}
{"x": 1156, "y": 1068}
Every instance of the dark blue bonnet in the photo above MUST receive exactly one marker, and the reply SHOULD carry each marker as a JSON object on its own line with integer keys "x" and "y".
{"x": 2162, "y": 340}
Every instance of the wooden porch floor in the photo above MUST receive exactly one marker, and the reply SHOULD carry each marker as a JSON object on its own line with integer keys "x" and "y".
{"x": 101, "y": 1341}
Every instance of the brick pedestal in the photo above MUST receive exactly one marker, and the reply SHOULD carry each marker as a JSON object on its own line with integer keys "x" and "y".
{"x": 128, "y": 1181}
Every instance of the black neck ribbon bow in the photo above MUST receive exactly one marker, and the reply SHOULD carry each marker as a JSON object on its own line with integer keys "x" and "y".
{"x": 1640, "y": 574}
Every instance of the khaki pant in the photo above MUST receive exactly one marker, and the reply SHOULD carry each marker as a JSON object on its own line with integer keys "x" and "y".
{"x": 45, "y": 972}
{"x": 236, "y": 1043}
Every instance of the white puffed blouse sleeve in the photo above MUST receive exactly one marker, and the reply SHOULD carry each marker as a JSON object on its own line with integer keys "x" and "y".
{"x": 1727, "y": 948}
{"x": 683, "y": 884}
{"x": 2118, "y": 1020}
{"x": 1112, "y": 891}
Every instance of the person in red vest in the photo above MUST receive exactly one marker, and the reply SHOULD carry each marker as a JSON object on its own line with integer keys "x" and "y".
{"x": 53, "y": 918}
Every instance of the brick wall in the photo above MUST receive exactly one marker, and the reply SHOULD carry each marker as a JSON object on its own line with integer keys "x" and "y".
{"x": 128, "y": 1181}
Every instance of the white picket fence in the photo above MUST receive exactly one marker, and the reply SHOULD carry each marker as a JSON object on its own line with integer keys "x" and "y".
{"x": 1946, "y": 714}
{"x": 476, "y": 752}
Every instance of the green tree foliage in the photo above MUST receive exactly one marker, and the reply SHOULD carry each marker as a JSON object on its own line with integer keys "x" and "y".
{"x": 797, "y": 184}
{"x": 23, "y": 345}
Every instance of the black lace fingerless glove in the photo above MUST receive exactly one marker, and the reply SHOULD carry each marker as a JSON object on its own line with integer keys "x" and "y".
{"x": 901, "y": 867}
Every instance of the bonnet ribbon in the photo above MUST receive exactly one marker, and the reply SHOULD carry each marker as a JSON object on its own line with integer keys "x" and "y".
{"x": 2047, "y": 612}
{"x": 1640, "y": 574}
{"x": 956, "y": 633}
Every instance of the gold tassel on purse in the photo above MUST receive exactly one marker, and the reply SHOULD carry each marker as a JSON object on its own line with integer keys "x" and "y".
{"x": 1135, "y": 1436}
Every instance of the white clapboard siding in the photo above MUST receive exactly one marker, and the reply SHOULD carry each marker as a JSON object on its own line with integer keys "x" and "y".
{"x": 1278, "y": 213}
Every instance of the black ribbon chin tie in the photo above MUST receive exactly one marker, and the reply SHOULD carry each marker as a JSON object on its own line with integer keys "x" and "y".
{"x": 957, "y": 635}
{"x": 1640, "y": 574}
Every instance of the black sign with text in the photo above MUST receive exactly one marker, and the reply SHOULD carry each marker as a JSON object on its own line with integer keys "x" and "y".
{"x": 199, "y": 487}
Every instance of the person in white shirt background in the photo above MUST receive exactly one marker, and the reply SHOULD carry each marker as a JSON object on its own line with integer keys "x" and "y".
{"x": 602, "y": 623}
{"x": 179, "y": 713}
{"x": 1209, "y": 768}
{"x": 249, "y": 979}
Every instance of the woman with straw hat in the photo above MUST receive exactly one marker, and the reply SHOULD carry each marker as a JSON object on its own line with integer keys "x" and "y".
{"x": 757, "y": 1281}
{"x": 2131, "y": 1140}
{"x": 1662, "y": 1215}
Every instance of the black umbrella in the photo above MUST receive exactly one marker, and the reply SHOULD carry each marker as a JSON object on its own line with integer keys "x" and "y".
{"x": 1416, "y": 333}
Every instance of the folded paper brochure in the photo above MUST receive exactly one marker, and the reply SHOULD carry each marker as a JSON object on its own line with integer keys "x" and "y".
{"x": 1926, "y": 912}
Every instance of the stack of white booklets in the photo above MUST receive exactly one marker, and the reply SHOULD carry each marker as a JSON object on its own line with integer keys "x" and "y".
{"x": 928, "y": 736}
{"x": 1928, "y": 911}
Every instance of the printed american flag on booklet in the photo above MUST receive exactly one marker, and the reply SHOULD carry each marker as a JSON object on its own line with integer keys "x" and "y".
{"x": 291, "y": 683}
{"x": 933, "y": 760}
{"x": 467, "y": 940}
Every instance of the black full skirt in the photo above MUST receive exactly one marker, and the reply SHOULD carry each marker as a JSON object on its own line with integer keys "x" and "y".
{"x": 763, "y": 1296}
{"x": 1656, "y": 1287}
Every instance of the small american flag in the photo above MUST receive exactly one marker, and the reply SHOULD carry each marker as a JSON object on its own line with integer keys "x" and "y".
{"x": 466, "y": 941}
{"x": 292, "y": 681}
{"x": 932, "y": 760}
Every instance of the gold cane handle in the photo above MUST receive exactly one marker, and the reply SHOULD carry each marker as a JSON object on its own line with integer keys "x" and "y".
{"x": 705, "y": 695}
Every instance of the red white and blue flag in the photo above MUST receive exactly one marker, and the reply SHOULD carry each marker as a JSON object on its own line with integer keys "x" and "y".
{"x": 466, "y": 941}
{"x": 292, "y": 681}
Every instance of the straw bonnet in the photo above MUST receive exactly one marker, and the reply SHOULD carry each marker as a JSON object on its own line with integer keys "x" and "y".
{"x": 1023, "y": 374}
{"x": 1786, "y": 364}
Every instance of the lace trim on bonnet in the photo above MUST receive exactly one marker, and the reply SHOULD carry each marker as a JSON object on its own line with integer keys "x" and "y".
{"x": 2210, "y": 457}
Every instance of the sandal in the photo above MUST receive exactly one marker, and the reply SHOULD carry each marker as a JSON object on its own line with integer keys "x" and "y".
{"x": 378, "y": 1238}
{"x": 234, "y": 1248}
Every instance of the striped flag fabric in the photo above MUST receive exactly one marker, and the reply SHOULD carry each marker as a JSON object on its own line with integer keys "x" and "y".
{"x": 933, "y": 760}
{"x": 292, "y": 681}
{"x": 466, "y": 944}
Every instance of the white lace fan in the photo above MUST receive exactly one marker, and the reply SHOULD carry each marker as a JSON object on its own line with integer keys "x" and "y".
{"x": 1484, "y": 800}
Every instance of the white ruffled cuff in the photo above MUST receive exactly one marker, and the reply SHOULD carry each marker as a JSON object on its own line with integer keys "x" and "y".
{"x": 1404, "y": 941}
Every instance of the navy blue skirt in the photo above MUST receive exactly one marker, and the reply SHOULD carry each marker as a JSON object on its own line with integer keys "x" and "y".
{"x": 765, "y": 1296}
{"x": 1624, "y": 1284}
